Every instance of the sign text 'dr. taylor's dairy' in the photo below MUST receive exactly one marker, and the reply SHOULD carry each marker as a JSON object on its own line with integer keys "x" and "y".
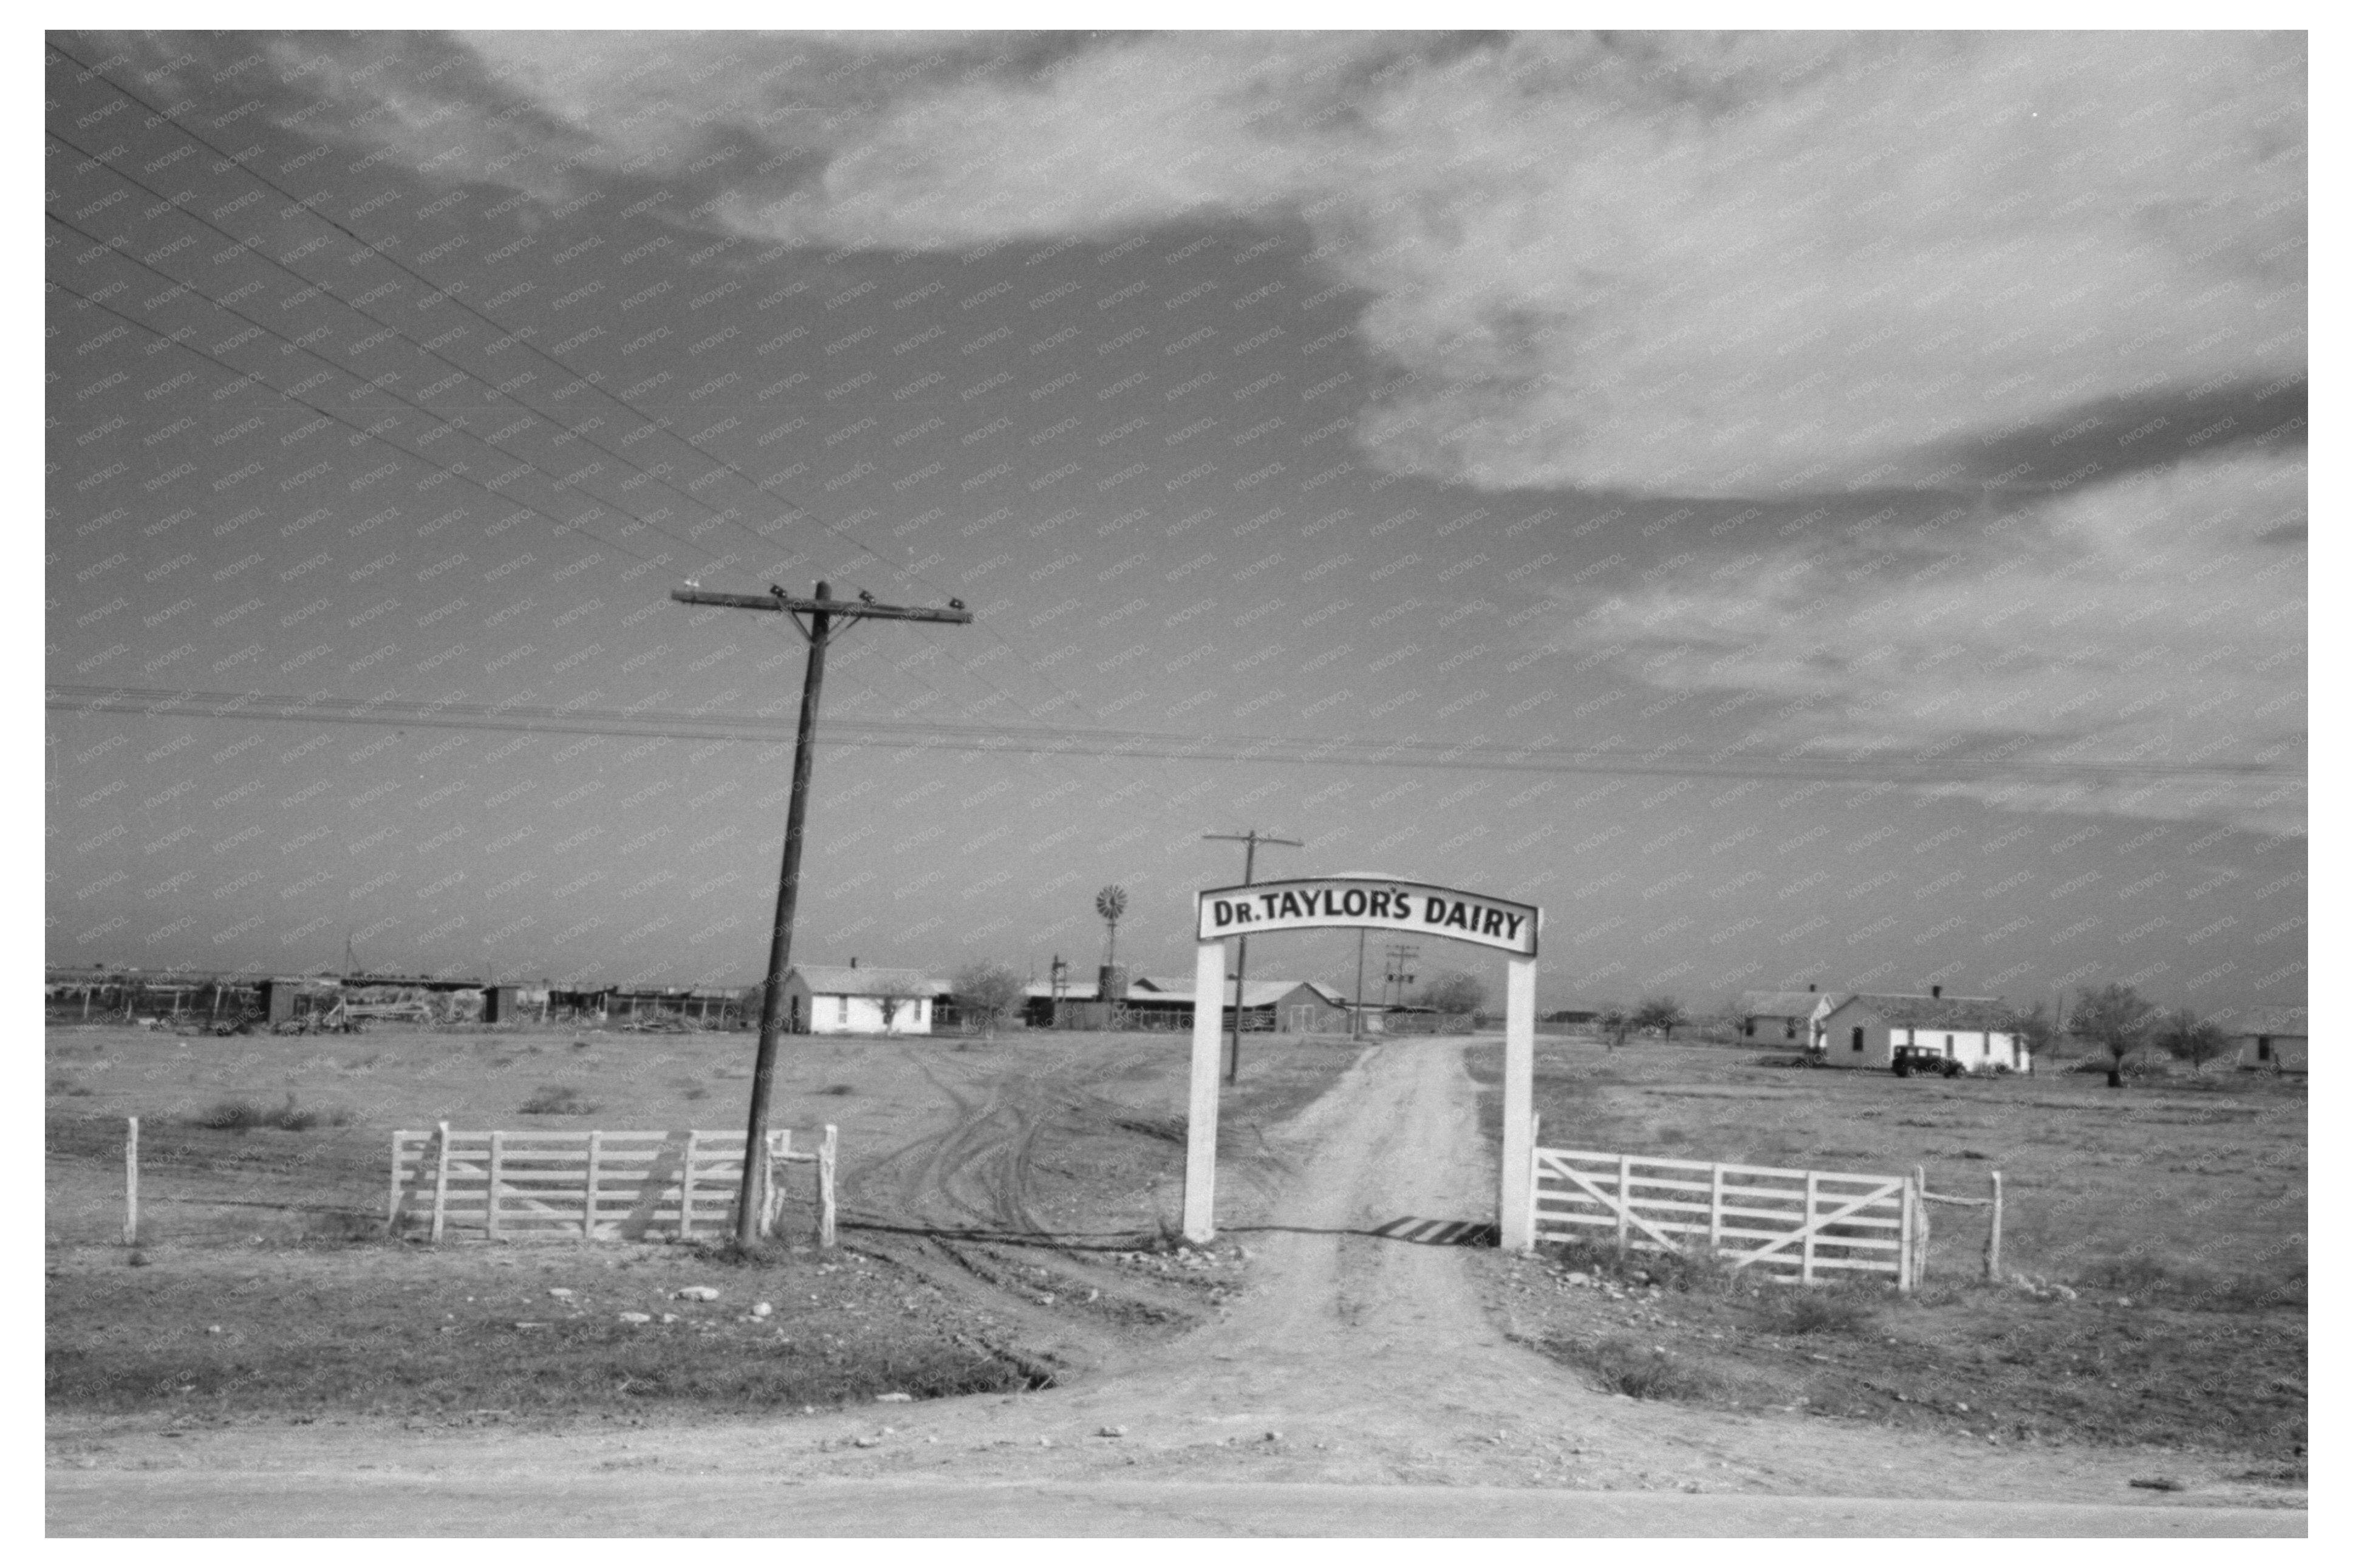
{"x": 1305, "y": 903}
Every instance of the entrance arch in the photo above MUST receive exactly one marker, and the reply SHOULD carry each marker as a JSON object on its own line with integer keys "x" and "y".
{"x": 1377, "y": 903}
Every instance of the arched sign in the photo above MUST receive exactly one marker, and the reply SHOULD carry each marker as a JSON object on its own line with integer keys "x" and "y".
{"x": 1377, "y": 903}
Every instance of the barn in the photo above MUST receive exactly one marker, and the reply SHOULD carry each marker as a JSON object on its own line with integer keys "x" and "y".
{"x": 1862, "y": 1029}
{"x": 837, "y": 999}
{"x": 2271, "y": 1039}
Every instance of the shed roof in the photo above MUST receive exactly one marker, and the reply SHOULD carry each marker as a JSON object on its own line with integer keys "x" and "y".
{"x": 1779, "y": 1004}
{"x": 1928, "y": 1011}
{"x": 2271, "y": 1021}
{"x": 841, "y": 980}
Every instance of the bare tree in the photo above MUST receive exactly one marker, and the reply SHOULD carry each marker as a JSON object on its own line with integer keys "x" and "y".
{"x": 987, "y": 992}
{"x": 2032, "y": 1028}
{"x": 1615, "y": 1024}
{"x": 1454, "y": 992}
{"x": 2185, "y": 1036}
{"x": 2117, "y": 1019}
{"x": 1659, "y": 1013}
{"x": 894, "y": 996}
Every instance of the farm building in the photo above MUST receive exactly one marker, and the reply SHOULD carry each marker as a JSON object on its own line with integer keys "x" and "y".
{"x": 1778, "y": 1015}
{"x": 2271, "y": 1038}
{"x": 831, "y": 999}
{"x": 1166, "y": 1001}
{"x": 1862, "y": 1029}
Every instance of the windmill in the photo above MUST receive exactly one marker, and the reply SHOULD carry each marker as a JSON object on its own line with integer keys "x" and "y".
{"x": 1111, "y": 903}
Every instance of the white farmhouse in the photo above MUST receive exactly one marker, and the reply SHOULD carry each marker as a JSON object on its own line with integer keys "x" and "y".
{"x": 832, "y": 999}
{"x": 1862, "y": 1029}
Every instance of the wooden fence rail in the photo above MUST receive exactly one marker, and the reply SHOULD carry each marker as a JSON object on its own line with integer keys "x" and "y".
{"x": 597, "y": 1185}
{"x": 1800, "y": 1225}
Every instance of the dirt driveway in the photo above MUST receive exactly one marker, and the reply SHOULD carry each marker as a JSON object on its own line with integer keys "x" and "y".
{"x": 1354, "y": 1356}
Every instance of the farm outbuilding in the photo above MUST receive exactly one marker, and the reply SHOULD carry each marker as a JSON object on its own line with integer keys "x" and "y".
{"x": 1862, "y": 1029}
{"x": 1166, "y": 1001}
{"x": 1771, "y": 1015}
{"x": 2271, "y": 1039}
{"x": 835, "y": 999}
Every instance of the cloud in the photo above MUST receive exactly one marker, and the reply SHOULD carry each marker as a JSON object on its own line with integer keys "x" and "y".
{"x": 1754, "y": 266}
{"x": 2132, "y": 648}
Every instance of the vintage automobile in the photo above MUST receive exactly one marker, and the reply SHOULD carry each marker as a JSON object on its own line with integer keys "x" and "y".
{"x": 1908, "y": 1059}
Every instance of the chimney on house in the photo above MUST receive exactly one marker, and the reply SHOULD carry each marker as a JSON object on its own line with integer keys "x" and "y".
{"x": 1810, "y": 985}
{"x": 1936, "y": 991}
{"x": 853, "y": 963}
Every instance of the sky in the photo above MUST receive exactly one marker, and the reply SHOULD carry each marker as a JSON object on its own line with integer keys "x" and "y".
{"x": 1801, "y": 508}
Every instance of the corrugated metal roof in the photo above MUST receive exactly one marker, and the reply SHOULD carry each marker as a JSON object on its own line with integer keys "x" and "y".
{"x": 1779, "y": 1004}
{"x": 841, "y": 980}
{"x": 1929, "y": 1012}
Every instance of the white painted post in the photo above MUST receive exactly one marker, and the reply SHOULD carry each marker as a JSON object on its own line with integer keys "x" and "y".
{"x": 1920, "y": 1227}
{"x": 1813, "y": 1205}
{"x": 825, "y": 1151}
{"x": 1201, "y": 1106}
{"x": 440, "y": 1177}
{"x": 1715, "y": 1207}
{"x": 588, "y": 1203}
{"x": 1993, "y": 1235}
{"x": 130, "y": 1184}
{"x": 1904, "y": 1241}
{"x": 1515, "y": 1210}
{"x": 1625, "y": 1198}
{"x": 498, "y": 1166}
{"x": 685, "y": 1177}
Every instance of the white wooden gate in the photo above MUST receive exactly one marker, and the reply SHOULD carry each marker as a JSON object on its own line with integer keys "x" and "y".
{"x": 1800, "y": 1225}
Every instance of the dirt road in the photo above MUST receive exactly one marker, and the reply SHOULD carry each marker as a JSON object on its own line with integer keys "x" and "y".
{"x": 1355, "y": 1358}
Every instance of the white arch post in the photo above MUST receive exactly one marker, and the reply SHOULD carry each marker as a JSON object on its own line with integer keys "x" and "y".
{"x": 1311, "y": 904}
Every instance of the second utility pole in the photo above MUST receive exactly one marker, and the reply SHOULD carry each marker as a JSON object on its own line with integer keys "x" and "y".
{"x": 1252, "y": 839}
{"x": 752, "y": 1200}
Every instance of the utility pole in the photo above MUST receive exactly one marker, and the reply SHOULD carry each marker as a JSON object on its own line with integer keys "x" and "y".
{"x": 1398, "y": 957}
{"x": 819, "y": 630}
{"x": 1356, "y": 1014}
{"x": 1251, "y": 841}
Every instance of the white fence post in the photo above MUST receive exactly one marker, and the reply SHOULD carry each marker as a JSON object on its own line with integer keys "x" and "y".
{"x": 1715, "y": 1207}
{"x": 131, "y": 1182}
{"x": 1625, "y": 1199}
{"x": 498, "y": 1169}
{"x": 1993, "y": 1234}
{"x": 826, "y": 1152}
{"x": 1920, "y": 1227}
{"x": 588, "y": 1203}
{"x": 1806, "y": 1248}
{"x": 686, "y": 1184}
{"x": 440, "y": 1177}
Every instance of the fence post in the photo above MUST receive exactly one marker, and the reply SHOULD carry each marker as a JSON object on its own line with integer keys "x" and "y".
{"x": 1625, "y": 1198}
{"x": 685, "y": 1177}
{"x": 1993, "y": 1234}
{"x": 1528, "y": 1188}
{"x": 440, "y": 1177}
{"x": 392, "y": 1205}
{"x": 825, "y": 1158}
{"x": 1903, "y": 1240}
{"x": 131, "y": 1182}
{"x": 1920, "y": 1227}
{"x": 491, "y": 1204}
{"x": 1715, "y": 1207}
{"x": 1806, "y": 1246}
{"x": 588, "y": 1203}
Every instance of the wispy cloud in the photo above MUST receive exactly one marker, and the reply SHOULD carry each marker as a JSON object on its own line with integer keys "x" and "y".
{"x": 1681, "y": 264}
{"x": 2155, "y": 622}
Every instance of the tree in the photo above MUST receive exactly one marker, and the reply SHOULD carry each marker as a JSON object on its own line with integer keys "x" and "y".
{"x": 2115, "y": 1018}
{"x": 2033, "y": 1030}
{"x": 2187, "y": 1037}
{"x": 1615, "y": 1024}
{"x": 1110, "y": 903}
{"x": 987, "y": 992}
{"x": 1454, "y": 992}
{"x": 1659, "y": 1013}
{"x": 892, "y": 997}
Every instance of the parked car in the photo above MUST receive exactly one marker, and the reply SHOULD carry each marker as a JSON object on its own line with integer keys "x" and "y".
{"x": 1909, "y": 1059}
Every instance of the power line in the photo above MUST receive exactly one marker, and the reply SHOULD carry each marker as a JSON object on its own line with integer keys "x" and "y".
{"x": 348, "y": 425}
{"x": 1048, "y": 740}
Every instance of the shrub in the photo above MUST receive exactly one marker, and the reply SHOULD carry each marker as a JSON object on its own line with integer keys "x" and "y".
{"x": 243, "y": 1115}
{"x": 557, "y": 1099}
{"x": 1637, "y": 1371}
{"x": 1796, "y": 1310}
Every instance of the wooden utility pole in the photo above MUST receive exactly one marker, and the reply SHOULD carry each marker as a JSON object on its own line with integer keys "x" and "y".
{"x": 1251, "y": 840}
{"x": 819, "y": 629}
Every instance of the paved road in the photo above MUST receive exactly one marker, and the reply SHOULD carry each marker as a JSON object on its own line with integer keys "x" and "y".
{"x": 391, "y": 1504}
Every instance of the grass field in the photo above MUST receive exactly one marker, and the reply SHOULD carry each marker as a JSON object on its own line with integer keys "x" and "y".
{"x": 263, "y": 1284}
{"x": 2174, "y": 1210}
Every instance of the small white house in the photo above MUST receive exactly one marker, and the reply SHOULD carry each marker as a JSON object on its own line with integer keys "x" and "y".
{"x": 832, "y": 999}
{"x": 1862, "y": 1029}
{"x": 2272, "y": 1040}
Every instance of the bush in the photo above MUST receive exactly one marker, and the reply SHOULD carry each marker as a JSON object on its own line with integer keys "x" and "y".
{"x": 1798, "y": 1310}
{"x": 1637, "y": 1371}
{"x": 243, "y": 1115}
{"x": 557, "y": 1099}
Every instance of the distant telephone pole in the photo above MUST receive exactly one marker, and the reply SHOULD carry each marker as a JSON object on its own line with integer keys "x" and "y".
{"x": 1251, "y": 840}
{"x": 819, "y": 629}
{"x": 1398, "y": 957}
